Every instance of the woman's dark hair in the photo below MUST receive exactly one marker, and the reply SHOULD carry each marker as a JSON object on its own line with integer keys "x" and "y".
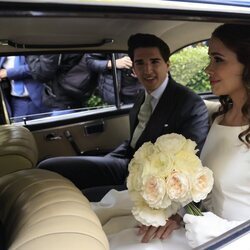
{"x": 236, "y": 37}
{"x": 145, "y": 41}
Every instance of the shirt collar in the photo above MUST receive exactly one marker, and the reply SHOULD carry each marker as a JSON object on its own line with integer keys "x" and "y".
{"x": 157, "y": 93}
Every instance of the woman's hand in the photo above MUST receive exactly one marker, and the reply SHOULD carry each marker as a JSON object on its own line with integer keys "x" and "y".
{"x": 200, "y": 229}
{"x": 162, "y": 232}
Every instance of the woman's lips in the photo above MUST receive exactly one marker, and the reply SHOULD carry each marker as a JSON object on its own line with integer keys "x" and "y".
{"x": 213, "y": 82}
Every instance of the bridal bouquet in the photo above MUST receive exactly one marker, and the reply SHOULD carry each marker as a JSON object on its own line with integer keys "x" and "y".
{"x": 165, "y": 176}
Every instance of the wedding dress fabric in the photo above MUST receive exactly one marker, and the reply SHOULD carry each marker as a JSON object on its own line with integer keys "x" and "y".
{"x": 229, "y": 160}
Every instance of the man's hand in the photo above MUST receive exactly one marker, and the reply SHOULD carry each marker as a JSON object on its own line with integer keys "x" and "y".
{"x": 122, "y": 63}
{"x": 3, "y": 74}
{"x": 173, "y": 223}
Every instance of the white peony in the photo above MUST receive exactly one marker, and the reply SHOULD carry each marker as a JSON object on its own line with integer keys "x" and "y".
{"x": 160, "y": 164}
{"x": 134, "y": 180}
{"x": 178, "y": 187}
{"x": 202, "y": 184}
{"x": 170, "y": 143}
{"x": 149, "y": 216}
{"x": 153, "y": 190}
{"x": 190, "y": 146}
{"x": 144, "y": 152}
{"x": 187, "y": 162}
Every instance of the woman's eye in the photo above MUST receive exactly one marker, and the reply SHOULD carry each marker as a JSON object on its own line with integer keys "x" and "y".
{"x": 218, "y": 59}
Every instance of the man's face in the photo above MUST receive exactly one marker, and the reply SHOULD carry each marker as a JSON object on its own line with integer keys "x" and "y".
{"x": 150, "y": 67}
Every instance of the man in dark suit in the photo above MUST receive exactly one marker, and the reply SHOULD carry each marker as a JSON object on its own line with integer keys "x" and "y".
{"x": 174, "y": 108}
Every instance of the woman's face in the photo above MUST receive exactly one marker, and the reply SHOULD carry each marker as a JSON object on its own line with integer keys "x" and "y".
{"x": 224, "y": 70}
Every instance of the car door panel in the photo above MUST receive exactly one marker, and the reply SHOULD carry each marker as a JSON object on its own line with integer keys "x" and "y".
{"x": 94, "y": 137}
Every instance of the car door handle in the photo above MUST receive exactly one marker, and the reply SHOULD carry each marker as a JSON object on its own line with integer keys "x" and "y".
{"x": 53, "y": 137}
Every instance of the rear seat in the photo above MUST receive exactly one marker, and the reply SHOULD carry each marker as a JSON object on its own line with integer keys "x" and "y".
{"x": 18, "y": 149}
{"x": 212, "y": 106}
{"x": 42, "y": 210}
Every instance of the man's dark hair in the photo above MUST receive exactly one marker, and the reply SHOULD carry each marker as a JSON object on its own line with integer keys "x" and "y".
{"x": 145, "y": 41}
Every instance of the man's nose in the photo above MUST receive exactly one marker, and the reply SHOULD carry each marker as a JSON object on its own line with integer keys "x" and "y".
{"x": 148, "y": 68}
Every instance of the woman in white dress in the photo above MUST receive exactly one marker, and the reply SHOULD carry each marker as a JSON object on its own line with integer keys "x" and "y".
{"x": 226, "y": 152}
{"x": 227, "y": 148}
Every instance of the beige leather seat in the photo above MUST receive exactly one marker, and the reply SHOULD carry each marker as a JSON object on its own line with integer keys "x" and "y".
{"x": 212, "y": 106}
{"x": 41, "y": 210}
{"x": 18, "y": 149}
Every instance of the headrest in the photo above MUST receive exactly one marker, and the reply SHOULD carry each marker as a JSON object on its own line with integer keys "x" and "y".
{"x": 18, "y": 149}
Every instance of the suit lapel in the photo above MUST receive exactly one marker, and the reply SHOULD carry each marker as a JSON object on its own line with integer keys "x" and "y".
{"x": 134, "y": 112}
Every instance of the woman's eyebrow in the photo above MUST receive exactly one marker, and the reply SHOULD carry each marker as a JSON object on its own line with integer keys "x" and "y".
{"x": 216, "y": 54}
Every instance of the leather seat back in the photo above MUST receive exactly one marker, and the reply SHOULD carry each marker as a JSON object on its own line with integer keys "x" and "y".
{"x": 42, "y": 210}
{"x": 18, "y": 149}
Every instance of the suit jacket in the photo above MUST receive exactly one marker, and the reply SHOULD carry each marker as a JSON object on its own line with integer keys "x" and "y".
{"x": 34, "y": 87}
{"x": 179, "y": 110}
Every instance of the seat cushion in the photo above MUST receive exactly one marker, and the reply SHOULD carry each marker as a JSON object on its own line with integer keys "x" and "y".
{"x": 42, "y": 210}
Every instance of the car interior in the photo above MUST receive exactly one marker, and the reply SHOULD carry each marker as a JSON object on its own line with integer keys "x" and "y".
{"x": 41, "y": 209}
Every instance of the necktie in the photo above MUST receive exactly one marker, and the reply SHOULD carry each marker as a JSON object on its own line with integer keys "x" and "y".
{"x": 18, "y": 85}
{"x": 143, "y": 117}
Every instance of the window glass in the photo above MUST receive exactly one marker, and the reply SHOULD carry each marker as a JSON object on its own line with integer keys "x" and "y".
{"x": 38, "y": 86}
{"x": 51, "y": 85}
{"x": 188, "y": 64}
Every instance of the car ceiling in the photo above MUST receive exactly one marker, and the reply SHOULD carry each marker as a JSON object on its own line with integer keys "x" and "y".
{"x": 70, "y": 29}
{"x": 63, "y": 31}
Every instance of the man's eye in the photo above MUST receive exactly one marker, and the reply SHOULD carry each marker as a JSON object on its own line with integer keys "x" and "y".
{"x": 155, "y": 61}
{"x": 138, "y": 63}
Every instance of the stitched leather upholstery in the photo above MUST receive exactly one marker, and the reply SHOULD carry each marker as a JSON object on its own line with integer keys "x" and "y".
{"x": 42, "y": 210}
{"x": 18, "y": 149}
{"x": 212, "y": 106}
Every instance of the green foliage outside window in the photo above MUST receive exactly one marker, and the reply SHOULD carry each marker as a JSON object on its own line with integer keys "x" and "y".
{"x": 187, "y": 67}
{"x": 95, "y": 101}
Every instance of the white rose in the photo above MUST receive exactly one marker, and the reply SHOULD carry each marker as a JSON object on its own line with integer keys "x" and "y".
{"x": 144, "y": 152}
{"x": 134, "y": 177}
{"x": 170, "y": 143}
{"x": 202, "y": 184}
{"x": 149, "y": 216}
{"x": 159, "y": 164}
{"x": 187, "y": 162}
{"x": 153, "y": 191}
{"x": 178, "y": 187}
{"x": 190, "y": 146}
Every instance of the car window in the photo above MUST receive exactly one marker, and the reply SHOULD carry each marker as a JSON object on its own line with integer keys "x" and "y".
{"x": 53, "y": 85}
{"x": 49, "y": 85}
{"x": 188, "y": 64}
